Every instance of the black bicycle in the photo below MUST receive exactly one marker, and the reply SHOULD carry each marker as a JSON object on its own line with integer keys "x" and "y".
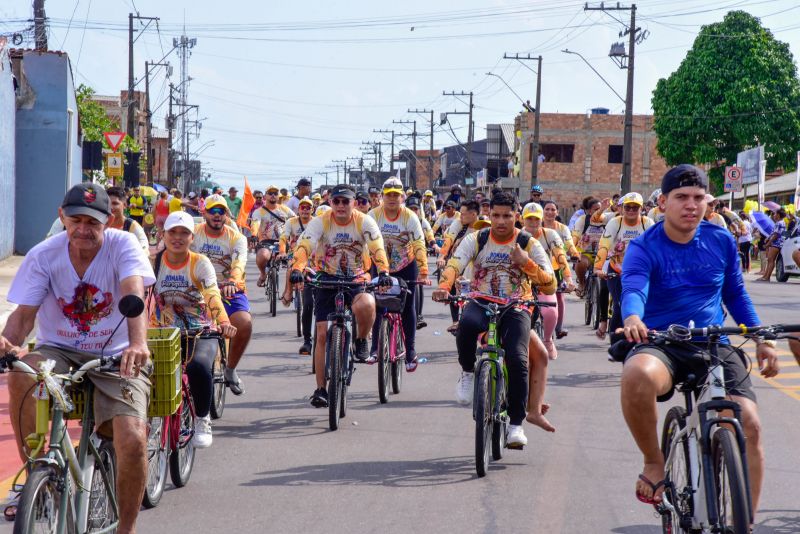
{"x": 271, "y": 282}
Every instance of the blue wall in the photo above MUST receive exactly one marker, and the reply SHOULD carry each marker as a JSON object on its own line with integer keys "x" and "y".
{"x": 7, "y": 121}
{"x": 48, "y": 154}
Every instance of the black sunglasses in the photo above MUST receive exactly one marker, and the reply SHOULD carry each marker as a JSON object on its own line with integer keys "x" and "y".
{"x": 340, "y": 201}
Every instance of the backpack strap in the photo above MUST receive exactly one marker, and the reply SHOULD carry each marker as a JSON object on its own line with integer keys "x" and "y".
{"x": 483, "y": 238}
{"x": 126, "y": 226}
{"x": 523, "y": 238}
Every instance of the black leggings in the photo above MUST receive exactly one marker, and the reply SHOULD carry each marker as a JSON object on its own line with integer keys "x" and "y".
{"x": 603, "y": 300}
{"x": 615, "y": 290}
{"x": 409, "y": 274}
{"x": 199, "y": 371}
{"x": 744, "y": 252}
{"x": 514, "y": 330}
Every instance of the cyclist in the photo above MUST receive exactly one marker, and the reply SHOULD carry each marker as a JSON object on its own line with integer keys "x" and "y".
{"x": 507, "y": 262}
{"x": 588, "y": 230}
{"x": 408, "y": 259}
{"x": 536, "y": 194}
{"x": 187, "y": 297}
{"x": 465, "y": 224}
{"x": 374, "y": 197}
{"x": 446, "y": 218}
{"x": 303, "y": 190}
{"x": 362, "y": 202}
{"x": 317, "y": 200}
{"x": 291, "y": 233}
{"x": 413, "y": 204}
{"x": 269, "y": 220}
{"x": 117, "y": 198}
{"x": 337, "y": 240}
{"x": 485, "y": 207}
{"x": 656, "y": 214}
{"x": 683, "y": 270}
{"x": 69, "y": 286}
{"x": 532, "y": 216}
{"x": 227, "y": 250}
{"x": 712, "y": 216}
{"x": 429, "y": 205}
{"x": 137, "y": 205}
{"x": 620, "y": 231}
{"x": 550, "y": 221}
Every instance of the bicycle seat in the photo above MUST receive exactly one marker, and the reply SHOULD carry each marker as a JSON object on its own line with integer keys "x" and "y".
{"x": 690, "y": 384}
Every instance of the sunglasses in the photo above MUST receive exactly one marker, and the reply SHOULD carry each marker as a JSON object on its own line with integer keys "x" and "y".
{"x": 340, "y": 201}
{"x": 363, "y": 202}
{"x": 259, "y": 197}
{"x": 216, "y": 211}
{"x": 272, "y": 193}
{"x": 631, "y": 207}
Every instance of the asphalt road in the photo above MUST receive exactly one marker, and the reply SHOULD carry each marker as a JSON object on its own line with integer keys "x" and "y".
{"x": 408, "y": 466}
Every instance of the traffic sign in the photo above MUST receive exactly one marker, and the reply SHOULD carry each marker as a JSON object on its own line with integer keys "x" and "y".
{"x": 114, "y": 139}
{"x": 114, "y": 165}
{"x": 733, "y": 179}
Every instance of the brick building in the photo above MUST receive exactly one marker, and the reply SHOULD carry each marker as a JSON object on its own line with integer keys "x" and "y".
{"x": 418, "y": 168}
{"x": 582, "y": 155}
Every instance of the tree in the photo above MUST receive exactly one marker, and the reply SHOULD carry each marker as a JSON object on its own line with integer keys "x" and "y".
{"x": 737, "y": 88}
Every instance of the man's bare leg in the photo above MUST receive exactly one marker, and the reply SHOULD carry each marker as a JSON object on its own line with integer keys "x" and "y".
{"x": 751, "y": 424}
{"x": 130, "y": 446}
{"x": 537, "y": 380}
{"x": 244, "y": 329}
{"x": 319, "y": 353}
{"x": 364, "y": 313}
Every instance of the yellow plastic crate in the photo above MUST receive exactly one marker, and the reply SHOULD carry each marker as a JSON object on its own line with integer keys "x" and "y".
{"x": 165, "y": 389}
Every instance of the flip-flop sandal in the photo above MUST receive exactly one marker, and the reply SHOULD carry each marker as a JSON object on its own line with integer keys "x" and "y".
{"x": 10, "y": 509}
{"x": 262, "y": 281}
{"x": 286, "y": 303}
{"x": 452, "y": 328}
{"x": 654, "y": 487}
{"x": 601, "y": 334}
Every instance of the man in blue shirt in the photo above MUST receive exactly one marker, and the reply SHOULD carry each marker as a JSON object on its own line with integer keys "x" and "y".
{"x": 680, "y": 270}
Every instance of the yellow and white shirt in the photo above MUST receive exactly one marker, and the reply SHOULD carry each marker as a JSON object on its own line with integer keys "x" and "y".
{"x": 227, "y": 252}
{"x": 554, "y": 246}
{"x": 402, "y": 239}
{"x": 588, "y": 240}
{"x": 339, "y": 249}
{"x": 494, "y": 273}
{"x": 292, "y": 230}
{"x": 656, "y": 214}
{"x": 444, "y": 221}
{"x": 717, "y": 220}
{"x": 615, "y": 241}
{"x": 566, "y": 238}
{"x": 452, "y": 239}
{"x": 269, "y": 226}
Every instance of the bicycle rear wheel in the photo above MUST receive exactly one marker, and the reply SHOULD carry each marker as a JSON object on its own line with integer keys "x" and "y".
{"x": 157, "y": 461}
{"x": 38, "y": 504}
{"x": 399, "y": 364}
{"x": 678, "y": 486}
{"x": 733, "y": 501}
{"x": 596, "y": 303}
{"x": 181, "y": 460}
{"x": 335, "y": 350}
{"x": 483, "y": 420}
{"x": 588, "y": 304}
{"x": 499, "y": 428}
{"x": 102, "y": 512}
{"x": 219, "y": 390}
{"x": 384, "y": 365}
{"x": 298, "y": 310}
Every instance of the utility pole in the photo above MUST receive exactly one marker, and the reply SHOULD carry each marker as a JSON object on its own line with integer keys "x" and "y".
{"x": 412, "y": 182}
{"x": 131, "y": 103}
{"x": 39, "y": 25}
{"x": 337, "y": 162}
{"x": 625, "y": 61}
{"x": 391, "y": 161}
{"x": 537, "y": 116}
{"x": 170, "y": 126}
{"x": 469, "y": 126}
{"x": 324, "y": 173}
{"x": 149, "y": 123}
{"x": 346, "y": 174}
{"x": 430, "y": 153}
{"x": 184, "y": 44}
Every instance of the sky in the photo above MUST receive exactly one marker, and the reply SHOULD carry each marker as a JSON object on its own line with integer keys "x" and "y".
{"x": 285, "y": 88}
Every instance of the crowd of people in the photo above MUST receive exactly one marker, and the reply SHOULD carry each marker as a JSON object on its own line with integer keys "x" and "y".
{"x": 192, "y": 276}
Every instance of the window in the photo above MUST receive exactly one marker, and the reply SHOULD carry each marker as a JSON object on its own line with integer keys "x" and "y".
{"x": 553, "y": 153}
{"x": 615, "y": 153}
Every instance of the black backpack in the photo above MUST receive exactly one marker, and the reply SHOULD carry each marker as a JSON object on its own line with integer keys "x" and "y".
{"x": 523, "y": 238}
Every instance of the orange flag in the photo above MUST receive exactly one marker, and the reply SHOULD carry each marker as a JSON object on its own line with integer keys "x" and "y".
{"x": 248, "y": 201}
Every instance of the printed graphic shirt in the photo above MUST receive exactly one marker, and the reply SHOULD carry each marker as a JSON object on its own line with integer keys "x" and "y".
{"x": 453, "y": 237}
{"x": 227, "y": 252}
{"x": 402, "y": 239}
{"x": 292, "y": 230}
{"x": 339, "y": 249}
{"x": 270, "y": 226}
{"x": 717, "y": 220}
{"x": 589, "y": 239}
{"x": 615, "y": 241}
{"x": 554, "y": 246}
{"x": 187, "y": 295}
{"x": 566, "y": 237}
{"x": 444, "y": 221}
{"x": 494, "y": 273}
{"x": 74, "y": 312}
{"x": 427, "y": 231}
{"x": 656, "y": 214}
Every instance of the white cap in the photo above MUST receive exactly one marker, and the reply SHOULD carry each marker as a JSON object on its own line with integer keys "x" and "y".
{"x": 179, "y": 218}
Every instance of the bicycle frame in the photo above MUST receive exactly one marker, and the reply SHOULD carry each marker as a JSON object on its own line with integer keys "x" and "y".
{"x": 493, "y": 355}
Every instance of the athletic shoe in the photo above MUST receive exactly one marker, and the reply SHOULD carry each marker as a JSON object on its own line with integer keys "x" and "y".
{"x": 464, "y": 388}
{"x": 305, "y": 348}
{"x": 202, "y": 433}
{"x": 421, "y": 322}
{"x": 561, "y": 333}
{"x": 234, "y": 384}
{"x": 362, "y": 350}
{"x": 516, "y": 436}
{"x": 373, "y": 358}
{"x": 320, "y": 398}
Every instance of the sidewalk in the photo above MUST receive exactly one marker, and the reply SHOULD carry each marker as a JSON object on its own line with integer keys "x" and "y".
{"x": 9, "y": 460}
{"x": 8, "y": 269}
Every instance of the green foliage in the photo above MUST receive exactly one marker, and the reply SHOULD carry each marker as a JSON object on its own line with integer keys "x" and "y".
{"x": 94, "y": 120}
{"x": 735, "y": 89}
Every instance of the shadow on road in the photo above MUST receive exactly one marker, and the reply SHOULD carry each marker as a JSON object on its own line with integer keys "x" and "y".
{"x": 585, "y": 380}
{"x": 435, "y": 472}
{"x": 637, "y": 529}
{"x": 778, "y": 522}
{"x": 273, "y": 428}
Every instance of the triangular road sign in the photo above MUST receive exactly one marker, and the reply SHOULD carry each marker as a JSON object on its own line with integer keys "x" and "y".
{"x": 114, "y": 139}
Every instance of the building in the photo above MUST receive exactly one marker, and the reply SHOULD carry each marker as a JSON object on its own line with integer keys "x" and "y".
{"x": 48, "y": 149}
{"x": 457, "y": 168}
{"x": 779, "y": 189}
{"x": 8, "y": 111}
{"x": 581, "y": 155}
{"x": 421, "y": 168}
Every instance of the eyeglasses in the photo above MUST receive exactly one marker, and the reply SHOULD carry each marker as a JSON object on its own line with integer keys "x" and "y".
{"x": 340, "y": 201}
{"x": 258, "y": 198}
{"x": 272, "y": 193}
{"x": 631, "y": 207}
{"x": 363, "y": 202}
{"x": 216, "y": 211}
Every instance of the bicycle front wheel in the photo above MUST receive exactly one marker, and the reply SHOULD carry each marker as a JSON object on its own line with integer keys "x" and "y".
{"x": 273, "y": 288}
{"x": 588, "y": 304}
{"x": 483, "y": 419}
{"x": 399, "y": 364}
{"x": 38, "y": 504}
{"x": 181, "y": 460}
{"x": 219, "y": 390}
{"x": 157, "y": 462}
{"x": 335, "y": 358}
{"x": 384, "y": 365}
{"x": 733, "y": 502}
{"x": 596, "y": 303}
{"x": 102, "y": 512}
{"x": 678, "y": 490}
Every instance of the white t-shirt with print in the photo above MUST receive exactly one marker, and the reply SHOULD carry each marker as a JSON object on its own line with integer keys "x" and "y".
{"x": 80, "y": 313}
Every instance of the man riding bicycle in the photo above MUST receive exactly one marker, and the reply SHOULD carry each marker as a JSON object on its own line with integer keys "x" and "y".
{"x": 227, "y": 250}
{"x": 269, "y": 220}
{"x": 507, "y": 262}
{"x": 337, "y": 240}
{"x": 408, "y": 259}
{"x": 679, "y": 271}
{"x": 292, "y": 231}
{"x": 70, "y": 285}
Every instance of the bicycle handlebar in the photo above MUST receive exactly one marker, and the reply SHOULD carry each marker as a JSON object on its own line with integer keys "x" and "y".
{"x": 683, "y": 333}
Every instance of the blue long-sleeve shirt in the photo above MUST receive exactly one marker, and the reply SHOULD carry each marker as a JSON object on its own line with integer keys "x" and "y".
{"x": 665, "y": 283}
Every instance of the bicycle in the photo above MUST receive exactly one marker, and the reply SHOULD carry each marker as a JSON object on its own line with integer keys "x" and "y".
{"x": 599, "y": 288}
{"x": 491, "y": 384}
{"x": 339, "y": 360}
{"x": 391, "y": 338}
{"x": 271, "y": 282}
{"x": 707, "y": 487}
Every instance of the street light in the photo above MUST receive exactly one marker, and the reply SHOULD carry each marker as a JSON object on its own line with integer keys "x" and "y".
{"x": 595, "y": 70}
{"x": 524, "y": 104}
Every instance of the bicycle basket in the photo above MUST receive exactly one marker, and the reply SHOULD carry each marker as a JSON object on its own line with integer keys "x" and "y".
{"x": 393, "y": 300}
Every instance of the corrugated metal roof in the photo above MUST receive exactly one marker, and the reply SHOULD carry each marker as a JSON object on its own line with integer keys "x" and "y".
{"x": 508, "y": 135}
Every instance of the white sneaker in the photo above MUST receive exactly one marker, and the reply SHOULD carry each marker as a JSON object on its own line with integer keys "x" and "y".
{"x": 464, "y": 388}
{"x": 202, "y": 433}
{"x": 516, "y": 436}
